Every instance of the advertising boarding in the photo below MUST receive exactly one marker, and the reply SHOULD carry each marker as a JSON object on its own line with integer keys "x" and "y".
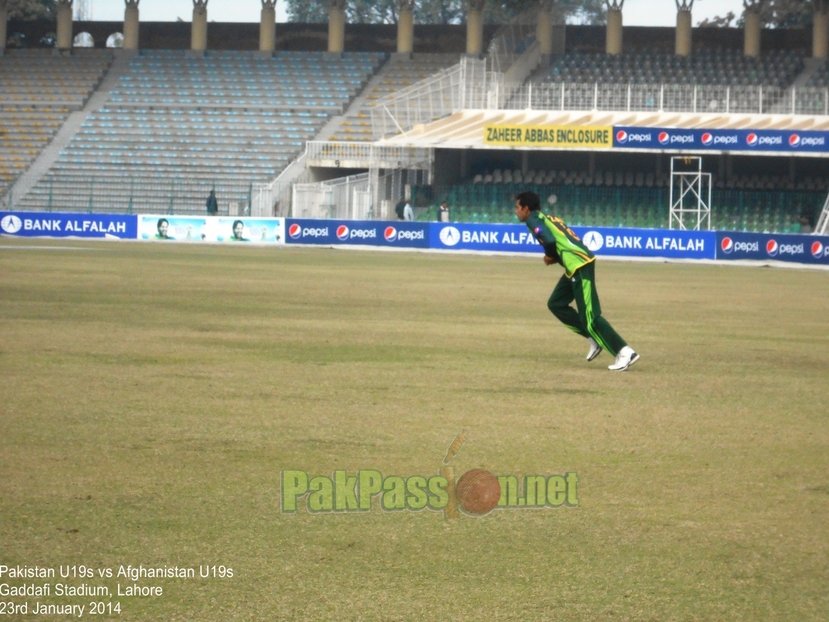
{"x": 808, "y": 249}
{"x": 782, "y": 141}
{"x": 65, "y": 225}
{"x": 516, "y": 238}
{"x": 211, "y": 229}
{"x": 357, "y": 232}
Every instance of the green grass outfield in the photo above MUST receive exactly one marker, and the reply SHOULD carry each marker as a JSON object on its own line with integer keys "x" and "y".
{"x": 151, "y": 396}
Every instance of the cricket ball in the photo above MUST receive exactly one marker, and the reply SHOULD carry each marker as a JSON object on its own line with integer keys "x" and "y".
{"x": 478, "y": 491}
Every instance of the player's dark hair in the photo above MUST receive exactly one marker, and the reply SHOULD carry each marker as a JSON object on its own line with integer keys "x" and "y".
{"x": 530, "y": 199}
{"x": 161, "y": 220}
{"x": 237, "y": 222}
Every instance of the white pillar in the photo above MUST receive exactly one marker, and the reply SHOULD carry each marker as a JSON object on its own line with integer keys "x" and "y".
{"x": 267, "y": 26}
{"x": 336, "y": 26}
{"x": 820, "y": 33}
{"x": 613, "y": 42}
{"x": 752, "y": 32}
{"x": 131, "y": 23}
{"x": 683, "y": 29}
{"x": 405, "y": 27}
{"x": 64, "y": 18}
{"x": 198, "y": 32}
{"x": 475, "y": 27}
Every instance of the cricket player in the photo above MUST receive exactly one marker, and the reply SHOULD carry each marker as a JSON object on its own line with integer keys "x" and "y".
{"x": 578, "y": 283}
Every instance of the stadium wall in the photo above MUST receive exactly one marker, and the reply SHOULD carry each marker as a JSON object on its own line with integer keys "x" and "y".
{"x": 242, "y": 36}
{"x": 437, "y": 38}
{"x": 467, "y": 237}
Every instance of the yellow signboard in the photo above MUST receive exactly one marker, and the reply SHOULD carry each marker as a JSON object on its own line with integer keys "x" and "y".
{"x": 549, "y": 136}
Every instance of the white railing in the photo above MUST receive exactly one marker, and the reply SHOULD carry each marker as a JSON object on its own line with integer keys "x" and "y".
{"x": 347, "y": 198}
{"x": 463, "y": 86}
{"x": 366, "y": 155}
{"x": 274, "y": 199}
{"x": 665, "y": 97}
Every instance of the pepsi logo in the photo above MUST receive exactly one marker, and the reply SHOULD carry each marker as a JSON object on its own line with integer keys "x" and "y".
{"x": 752, "y": 140}
{"x": 794, "y": 140}
{"x": 390, "y": 234}
{"x": 342, "y": 233}
{"x": 772, "y": 248}
{"x": 707, "y": 139}
{"x": 817, "y": 250}
{"x": 664, "y": 138}
{"x": 295, "y": 231}
{"x": 727, "y": 245}
{"x": 621, "y": 137}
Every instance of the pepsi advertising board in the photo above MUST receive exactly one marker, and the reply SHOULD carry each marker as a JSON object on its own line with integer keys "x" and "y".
{"x": 771, "y": 246}
{"x": 357, "y": 232}
{"x": 516, "y": 238}
{"x": 61, "y": 225}
{"x": 784, "y": 141}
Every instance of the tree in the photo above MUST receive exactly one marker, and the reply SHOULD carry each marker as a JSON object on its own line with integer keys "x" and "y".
{"x": 773, "y": 13}
{"x": 592, "y": 12}
{"x": 440, "y": 11}
{"x": 31, "y": 9}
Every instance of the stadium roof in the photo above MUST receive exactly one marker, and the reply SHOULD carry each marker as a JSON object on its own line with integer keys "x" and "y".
{"x": 465, "y": 129}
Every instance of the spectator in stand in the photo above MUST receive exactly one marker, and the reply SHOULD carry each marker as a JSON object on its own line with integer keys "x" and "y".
{"x": 404, "y": 210}
{"x": 212, "y": 204}
{"x": 443, "y": 212}
{"x": 806, "y": 220}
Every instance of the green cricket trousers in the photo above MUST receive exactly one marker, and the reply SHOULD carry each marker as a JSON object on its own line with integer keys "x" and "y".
{"x": 588, "y": 320}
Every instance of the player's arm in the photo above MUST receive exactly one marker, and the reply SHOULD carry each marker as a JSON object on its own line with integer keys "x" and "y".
{"x": 548, "y": 241}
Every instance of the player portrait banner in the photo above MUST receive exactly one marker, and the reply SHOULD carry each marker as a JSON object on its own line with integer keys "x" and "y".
{"x": 673, "y": 139}
{"x": 549, "y": 136}
{"x": 211, "y": 229}
{"x": 65, "y": 225}
{"x": 357, "y": 232}
{"x": 808, "y": 249}
{"x": 602, "y": 241}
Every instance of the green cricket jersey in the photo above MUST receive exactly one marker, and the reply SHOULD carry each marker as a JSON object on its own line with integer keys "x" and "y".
{"x": 559, "y": 242}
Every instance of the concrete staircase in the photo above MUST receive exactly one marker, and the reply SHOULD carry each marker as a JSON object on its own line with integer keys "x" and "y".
{"x": 811, "y": 67}
{"x": 400, "y": 71}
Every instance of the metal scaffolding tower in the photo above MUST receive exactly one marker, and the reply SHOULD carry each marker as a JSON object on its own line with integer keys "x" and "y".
{"x": 823, "y": 222}
{"x": 690, "y": 194}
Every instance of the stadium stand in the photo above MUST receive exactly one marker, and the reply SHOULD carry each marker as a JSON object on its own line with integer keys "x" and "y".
{"x": 39, "y": 91}
{"x": 616, "y": 199}
{"x": 399, "y": 72}
{"x": 178, "y": 124}
{"x": 726, "y": 67}
{"x": 191, "y": 124}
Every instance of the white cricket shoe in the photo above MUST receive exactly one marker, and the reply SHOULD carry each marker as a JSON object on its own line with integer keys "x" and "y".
{"x": 624, "y": 359}
{"x": 595, "y": 349}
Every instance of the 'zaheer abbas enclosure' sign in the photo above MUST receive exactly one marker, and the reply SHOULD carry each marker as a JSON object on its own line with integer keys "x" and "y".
{"x": 549, "y": 136}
